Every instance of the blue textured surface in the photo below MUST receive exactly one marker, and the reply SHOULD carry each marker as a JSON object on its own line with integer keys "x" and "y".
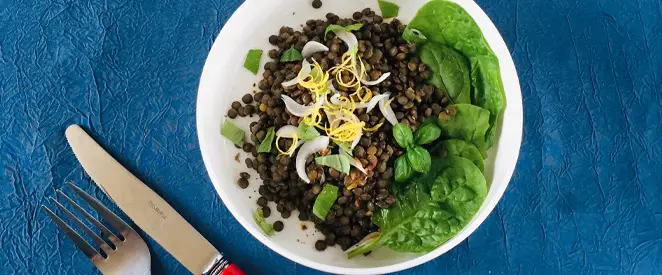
{"x": 586, "y": 197}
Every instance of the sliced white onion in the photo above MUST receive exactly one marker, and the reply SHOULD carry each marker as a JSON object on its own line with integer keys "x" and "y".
{"x": 295, "y": 108}
{"x": 357, "y": 139}
{"x": 306, "y": 150}
{"x": 303, "y": 74}
{"x": 375, "y": 100}
{"x": 348, "y": 37}
{"x": 335, "y": 99}
{"x": 354, "y": 162}
{"x": 381, "y": 79}
{"x": 313, "y": 47}
{"x": 287, "y": 131}
{"x": 332, "y": 88}
{"x": 387, "y": 111}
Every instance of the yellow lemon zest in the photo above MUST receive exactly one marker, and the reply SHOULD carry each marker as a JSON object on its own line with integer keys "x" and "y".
{"x": 290, "y": 151}
{"x": 373, "y": 128}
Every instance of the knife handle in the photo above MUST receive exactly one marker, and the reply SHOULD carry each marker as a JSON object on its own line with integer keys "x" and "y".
{"x": 232, "y": 269}
{"x": 221, "y": 266}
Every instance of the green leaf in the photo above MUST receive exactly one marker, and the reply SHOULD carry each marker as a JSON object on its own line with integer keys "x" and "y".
{"x": 427, "y": 134}
{"x": 345, "y": 147}
{"x": 402, "y": 169}
{"x": 290, "y": 55}
{"x": 265, "y": 146}
{"x": 252, "y": 62}
{"x": 419, "y": 159}
{"x": 233, "y": 133}
{"x": 389, "y": 10}
{"x": 266, "y": 227}
{"x": 307, "y": 132}
{"x": 461, "y": 148}
{"x": 325, "y": 200}
{"x": 461, "y": 186}
{"x": 403, "y": 135}
{"x": 466, "y": 122}
{"x": 354, "y": 27}
{"x": 451, "y": 73}
{"x": 414, "y": 36}
{"x": 457, "y": 29}
{"x": 340, "y": 162}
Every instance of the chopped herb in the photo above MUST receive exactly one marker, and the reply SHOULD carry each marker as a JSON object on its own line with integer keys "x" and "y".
{"x": 340, "y": 162}
{"x": 265, "y": 146}
{"x": 290, "y": 55}
{"x": 266, "y": 227}
{"x": 252, "y": 62}
{"x": 354, "y": 27}
{"x": 345, "y": 147}
{"x": 233, "y": 133}
{"x": 414, "y": 36}
{"x": 389, "y": 10}
{"x": 325, "y": 200}
{"x": 307, "y": 132}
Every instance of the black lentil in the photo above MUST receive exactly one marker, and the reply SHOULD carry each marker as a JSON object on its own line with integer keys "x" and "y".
{"x": 278, "y": 226}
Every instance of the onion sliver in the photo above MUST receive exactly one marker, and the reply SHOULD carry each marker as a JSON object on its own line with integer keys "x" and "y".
{"x": 303, "y": 74}
{"x": 357, "y": 139}
{"x": 297, "y": 109}
{"x": 375, "y": 100}
{"x": 376, "y": 82}
{"x": 354, "y": 162}
{"x": 313, "y": 47}
{"x": 287, "y": 131}
{"x": 347, "y": 37}
{"x": 305, "y": 151}
{"x": 332, "y": 88}
{"x": 387, "y": 111}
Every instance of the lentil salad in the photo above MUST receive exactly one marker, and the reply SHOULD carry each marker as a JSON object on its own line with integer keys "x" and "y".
{"x": 383, "y": 62}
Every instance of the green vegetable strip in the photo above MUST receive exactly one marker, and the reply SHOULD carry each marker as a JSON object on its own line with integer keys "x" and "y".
{"x": 266, "y": 227}
{"x": 265, "y": 146}
{"x": 233, "y": 133}
{"x": 414, "y": 36}
{"x": 307, "y": 132}
{"x": 354, "y": 27}
{"x": 389, "y": 10}
{"x": 290, "y": 55}
{"x": 339, "y": 162}
{"x": 252, "y": 62}
{"x": 325, "y": 200}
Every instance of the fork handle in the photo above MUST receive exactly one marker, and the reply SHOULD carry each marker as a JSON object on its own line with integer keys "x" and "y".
{"x": 232, "y": 269}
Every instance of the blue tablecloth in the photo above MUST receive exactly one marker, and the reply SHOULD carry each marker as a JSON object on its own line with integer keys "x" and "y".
{"x": 586, "y": 197}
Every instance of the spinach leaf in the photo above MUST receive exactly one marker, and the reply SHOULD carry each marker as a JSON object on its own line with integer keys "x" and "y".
{"x": 266, "y": 227}
{"x": 419, "y": 159}
{"x": 325, "y": 200}
{"x": 354, "y": 27}
{"x": 252, "y": 62}
{"x": 461, "y": 148}
{"x": 389, "y": 10}
{"x": 451, "y": 73}
{"x": 427, "y": 133}
{"x": 461, "y": 186}
{"x": 265, "y": 146}
{"x": 459, "y": 31}
{"x": 307, "y": 132}
{"x": 402, "y": 169}
{"x": 466, "y": 122}
{"x": 414, "y": 36}
{"x": 290, "y": 55}
{"x": 403, "y": 135}
{"x": 233, "y": 133}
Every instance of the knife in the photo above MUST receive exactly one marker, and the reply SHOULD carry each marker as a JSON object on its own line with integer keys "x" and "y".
{"x": 147, "y": 209}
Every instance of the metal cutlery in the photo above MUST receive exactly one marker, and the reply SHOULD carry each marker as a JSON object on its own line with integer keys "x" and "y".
{"x": 126, "y": 255}
{"x": 147, "y": 209}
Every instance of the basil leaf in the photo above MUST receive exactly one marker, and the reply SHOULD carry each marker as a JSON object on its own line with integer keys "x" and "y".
{"x": 307, "y": 132}
{"x": 414, "y": 36}
{"x": 325, "y": 200}
{"x": 419, "y": 159}
{"x": 252, "y": 62}
{"x": 265, "y": 146}
{"x": 340, "y": 162}
{"x": 233, "y": 133}
{"x": 354, "y": 27}
{"x": 389, "y": 10}
{"x": 266, "y": 227}
{"x": 427, "y": 134}
{"x": 290, "y": 55}
{"x": 403, "y": 135}
{"x": 403, "y": 170}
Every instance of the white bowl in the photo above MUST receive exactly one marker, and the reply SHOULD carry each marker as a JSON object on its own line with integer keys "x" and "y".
{"x": 225, "y": 80}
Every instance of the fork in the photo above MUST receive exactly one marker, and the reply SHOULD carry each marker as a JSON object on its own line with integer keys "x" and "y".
{"x": 127, "y": 255}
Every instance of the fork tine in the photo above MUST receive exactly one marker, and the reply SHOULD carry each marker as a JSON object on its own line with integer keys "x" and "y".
{"x": 82, "y": 245}
{"x": 113, "y": 219}
{"x": 100, "y": 242}
{"x": 106, "y": 232}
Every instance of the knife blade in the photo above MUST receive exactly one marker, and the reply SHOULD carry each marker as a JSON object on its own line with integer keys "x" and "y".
{"x": 146, "y": 208}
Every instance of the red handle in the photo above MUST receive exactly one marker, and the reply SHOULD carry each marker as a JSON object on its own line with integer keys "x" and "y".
{"x": 232, "y": 269}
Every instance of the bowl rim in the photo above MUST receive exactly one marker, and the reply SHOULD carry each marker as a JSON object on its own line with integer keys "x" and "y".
{"x": 479, "y": 15}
